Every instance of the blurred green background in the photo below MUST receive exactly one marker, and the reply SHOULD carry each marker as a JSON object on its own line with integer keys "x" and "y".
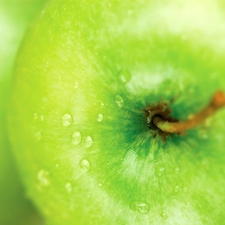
{"x": 15, "y": 17}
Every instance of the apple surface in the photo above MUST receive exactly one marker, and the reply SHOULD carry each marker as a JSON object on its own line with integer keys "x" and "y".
{"x": 85, "y": 77}
{"x": 14, "y": 18}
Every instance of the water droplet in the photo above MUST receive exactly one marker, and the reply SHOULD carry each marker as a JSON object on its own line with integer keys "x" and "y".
{"x": 102, "y": 105}
{"x": 43, "y": 177}
{"x": 38, "y": 136}
{"x": 35, "y": 115}
{"x": 177, "y": 189}
{"x": 164, "y": 215}
{"x": 125, "y": 76}
{"x": 100, "y": 185}
{"x": 66, "y": 120}
{"x": 88, "y": 142}
{"x": 100, "y": 117}
{"x": 119, "y": 101}
{"x": 69, "y": 187}
{"x": 85, "y": 165}
{"x": 177, "y": 170}
{"x": 76, "y": 138}
{"x": 42, "y": 118}
{"x": 140, "y": 207}
{"x": 76, "y": 85}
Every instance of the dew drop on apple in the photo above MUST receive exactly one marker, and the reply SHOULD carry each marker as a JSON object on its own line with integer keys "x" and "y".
{"x": 88, "y": 142}
{"x": 35, "y": 116}
{"x": 164, "y": 215}
{"x": 125, "y": 76}
{"x": 161, "y": 171}
{"x": 42, "y": 118}
{"x": 85, "y": 165}
{"x": 76, "y": 85}
{"x": 119, "y": 101}
{"x": 177, "y": 170}
{"x": 43, "y": 177}
{"x": 185, "y": 189}
{"x": 57, "y": 165}
{"x": 140, "y": 207}
{"x": 69, "y": 187}
{"x": 38, "y": 136}
{"x": 66, "y": 120}
{"x": 100, "y": 118}
{"x": 177, "y": 189}
{"x": 102, "y": 105}
{"x": 76, "y": 138}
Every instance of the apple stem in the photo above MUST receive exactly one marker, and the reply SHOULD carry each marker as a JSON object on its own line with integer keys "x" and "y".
{"x": 217, "y": 102}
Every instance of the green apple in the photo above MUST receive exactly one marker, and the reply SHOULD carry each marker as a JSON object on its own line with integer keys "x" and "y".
{"x": 14, "y": 18}
{"x": 87, "y": 78}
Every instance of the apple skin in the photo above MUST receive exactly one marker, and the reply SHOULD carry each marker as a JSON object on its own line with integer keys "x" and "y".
{"x": 84, "y": 75}
{"x": 14, "y": 18}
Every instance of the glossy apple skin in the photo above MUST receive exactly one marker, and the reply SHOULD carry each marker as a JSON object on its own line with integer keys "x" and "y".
{"x": 14, "y": 18}
{"x": 83, "y": 78}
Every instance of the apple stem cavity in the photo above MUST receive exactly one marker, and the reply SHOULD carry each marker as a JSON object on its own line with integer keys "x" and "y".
{"x": 164, "y": 125}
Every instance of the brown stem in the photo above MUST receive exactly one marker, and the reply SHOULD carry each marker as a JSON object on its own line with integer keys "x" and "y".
{"x": 217, "y": 102}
